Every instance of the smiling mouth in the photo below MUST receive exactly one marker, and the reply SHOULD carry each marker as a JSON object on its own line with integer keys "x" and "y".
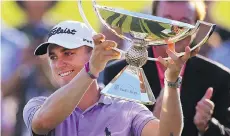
{"x": 65, "y": 73}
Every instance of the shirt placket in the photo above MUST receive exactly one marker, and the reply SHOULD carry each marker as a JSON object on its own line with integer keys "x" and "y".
{"x": 83, "y": 123}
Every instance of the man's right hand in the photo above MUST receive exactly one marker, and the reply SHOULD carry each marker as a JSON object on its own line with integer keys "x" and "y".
{"x": 102, "y": 53}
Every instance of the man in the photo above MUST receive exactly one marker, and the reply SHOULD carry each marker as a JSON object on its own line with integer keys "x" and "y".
{"x": 205, "y": 83}
{"x": 78, "y": 109}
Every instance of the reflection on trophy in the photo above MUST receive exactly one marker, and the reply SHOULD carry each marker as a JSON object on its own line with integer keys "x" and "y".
{"x": 143, "y": 31}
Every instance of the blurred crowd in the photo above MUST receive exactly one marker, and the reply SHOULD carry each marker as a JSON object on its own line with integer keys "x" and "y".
{"x": 24, "y": 76}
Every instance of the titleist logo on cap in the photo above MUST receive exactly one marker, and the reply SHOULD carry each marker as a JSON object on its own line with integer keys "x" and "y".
{"x": 60, "y": 30}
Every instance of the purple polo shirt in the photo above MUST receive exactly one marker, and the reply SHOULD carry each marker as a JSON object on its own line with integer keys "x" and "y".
{"x": 108, "y": 117}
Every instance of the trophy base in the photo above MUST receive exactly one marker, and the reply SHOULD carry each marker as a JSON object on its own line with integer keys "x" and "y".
{"x": 130, "y": 84}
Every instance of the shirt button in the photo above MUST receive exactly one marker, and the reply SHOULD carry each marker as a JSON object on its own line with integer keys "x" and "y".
{"x": 82, "y": 116}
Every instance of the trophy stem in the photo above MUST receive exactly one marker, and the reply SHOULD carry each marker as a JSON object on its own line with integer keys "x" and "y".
{"x": 137, "y": 54}
{"x": 130, "y": 84}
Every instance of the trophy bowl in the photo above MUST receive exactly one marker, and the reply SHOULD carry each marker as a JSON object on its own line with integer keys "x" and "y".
{"x": 142, "y": 30}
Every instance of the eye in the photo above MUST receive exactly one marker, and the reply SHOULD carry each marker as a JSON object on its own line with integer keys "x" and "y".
{"x": 68, "y": 53}
{"x": 53, "y": 57}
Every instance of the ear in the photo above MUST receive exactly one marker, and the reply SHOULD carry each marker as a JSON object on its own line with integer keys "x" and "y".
{"x": 89, "y": 49}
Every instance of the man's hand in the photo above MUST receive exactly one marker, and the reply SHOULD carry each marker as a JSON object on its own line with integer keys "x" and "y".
{"x": 102, "y": 53}
{"x": 204, "y": 111}
{"x": 175, "y": 64}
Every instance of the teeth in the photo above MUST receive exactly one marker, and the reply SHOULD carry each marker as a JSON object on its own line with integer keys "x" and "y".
{"x": 66, "y": 73}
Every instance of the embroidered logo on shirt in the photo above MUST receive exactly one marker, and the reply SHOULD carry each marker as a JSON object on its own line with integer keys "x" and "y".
{"x": 107, "y": 132}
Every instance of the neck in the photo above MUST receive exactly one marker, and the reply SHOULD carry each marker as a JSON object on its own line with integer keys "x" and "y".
{"x": 90, "y": 97}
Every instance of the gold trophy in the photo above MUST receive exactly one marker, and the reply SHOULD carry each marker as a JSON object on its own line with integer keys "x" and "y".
{"x": 142, "y": 30}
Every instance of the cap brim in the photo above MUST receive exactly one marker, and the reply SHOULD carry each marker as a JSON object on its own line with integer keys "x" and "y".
{"x": 41, "y": 49}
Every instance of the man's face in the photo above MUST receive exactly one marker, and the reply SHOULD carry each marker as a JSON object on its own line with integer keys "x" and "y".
{"x": 66, "y": 63}
{"x": 180, "y": 11}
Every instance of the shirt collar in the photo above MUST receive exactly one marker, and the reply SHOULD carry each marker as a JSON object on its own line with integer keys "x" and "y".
{"x": 105, "y": 100}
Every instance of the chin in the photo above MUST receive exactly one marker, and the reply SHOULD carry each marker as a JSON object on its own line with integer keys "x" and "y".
{"x": 63, "y": 83}
{"x": 65, "y": 80}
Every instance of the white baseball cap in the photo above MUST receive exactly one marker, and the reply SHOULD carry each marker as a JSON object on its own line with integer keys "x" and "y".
{"x": 68, "y": 34}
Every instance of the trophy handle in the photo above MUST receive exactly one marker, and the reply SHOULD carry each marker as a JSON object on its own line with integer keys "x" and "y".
{"x": 105, "y": 24}
{"x": 211, "y": 30}
{"x": 82, "y": 13}
{"x": 87, "y": 22}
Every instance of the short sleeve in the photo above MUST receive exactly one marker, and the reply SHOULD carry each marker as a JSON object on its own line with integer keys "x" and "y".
{"x": 30, "y": 109}
{"x": 142, "y": 115}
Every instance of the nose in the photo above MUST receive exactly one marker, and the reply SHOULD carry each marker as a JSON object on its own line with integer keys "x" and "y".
{"x": 60, "y": 63}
